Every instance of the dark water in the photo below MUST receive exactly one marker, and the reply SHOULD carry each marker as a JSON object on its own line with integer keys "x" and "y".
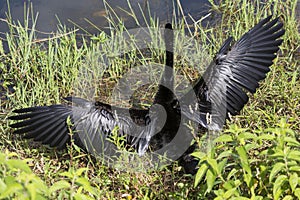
{"x": 79, "y": 12}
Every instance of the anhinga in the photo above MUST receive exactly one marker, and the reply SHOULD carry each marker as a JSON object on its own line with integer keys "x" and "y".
{"x": 220, "y": 92}
{"x": 93, "y": 122}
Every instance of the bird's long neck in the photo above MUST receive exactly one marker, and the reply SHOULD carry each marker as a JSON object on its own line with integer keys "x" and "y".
{"x": 166, "y": 87}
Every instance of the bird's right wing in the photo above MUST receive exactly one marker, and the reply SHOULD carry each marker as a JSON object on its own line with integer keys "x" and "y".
{"x": 44, "y": 123}
{"x": 91, "y": 124}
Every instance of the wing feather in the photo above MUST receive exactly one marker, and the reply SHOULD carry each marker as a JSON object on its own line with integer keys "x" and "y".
{"x": 237, "y": 70}
{"x": 90, "y": 122}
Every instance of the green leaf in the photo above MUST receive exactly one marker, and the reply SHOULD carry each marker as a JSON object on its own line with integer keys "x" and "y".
{"x": 198, "y": 154}
{"x": 247, "y": 179}
{"x": 68, "y": 174}
{"x": 295, "y": 168}
{"x": 10, "y": 180}
{"x": 237, "y": 183}
{"x": 248, "y": 147}
{"x": 247, "y": 135}
{"x": 32, "y": 191}
{"x": 224, "y": 154}
{"x": 294, "y": 155}
{"x": 297, "y": 193}
{"x": 288, "y": 197}
{"x": 231, "y": 173}
{"x": 239, "y": 198}
{"x": 12, "y": 154}
{"x": 266, "y": 137}
{"x": 229, "y": 193}
{"x": 2, "y": 186}
{"x": 200, "y": 173}
{"x": 81, "y": 170}
{"x": 218, "y": 198}
{"x": 18, "y": 164}
{"x": 224, "y": 138}
{"x": 219, "y": 193}
{"x": 83, "y": 181}
{"x": 95, "y": 38}
{"x": 85, "y": 184}
{"x": 210, "y": 180}
{"x": 228, "y": 185}
{"x": 277, "y": 186}
{"x": 222, "y": 164}
{"x": 264, "y": 152}
{"x": 258, "y": 198}
{"x": 79, "y": 196}
{"x": 244, "y": 159}
{"x": 279, "y": 154}
{"x": 62, "y": 184}
{"x": 213, "y": 164}
{"x": 292, "y": 163}
{"x": 292, "y": 141}
{"x": 77, "y": 149}
{"x": 41, "y": 197}
{"x": 275, "y": 170}
{"x": 11, "y": 189}
{"x": 293, "y": 180}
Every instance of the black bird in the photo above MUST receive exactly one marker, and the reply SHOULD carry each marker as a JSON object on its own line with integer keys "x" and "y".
{"x": 93, "y": 122}
{"x": 220, "y": 92}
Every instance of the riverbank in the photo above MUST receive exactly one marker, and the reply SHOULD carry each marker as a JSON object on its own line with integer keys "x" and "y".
{"x": 257, "y": 154}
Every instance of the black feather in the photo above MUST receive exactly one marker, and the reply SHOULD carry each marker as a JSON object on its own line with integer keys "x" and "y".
{"x": 238, "y": 69}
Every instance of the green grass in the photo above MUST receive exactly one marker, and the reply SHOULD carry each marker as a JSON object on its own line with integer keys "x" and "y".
{"x": 256, "y": 156}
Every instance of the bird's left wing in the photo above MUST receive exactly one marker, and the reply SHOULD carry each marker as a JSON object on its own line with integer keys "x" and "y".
{"x": 235, "y": 70}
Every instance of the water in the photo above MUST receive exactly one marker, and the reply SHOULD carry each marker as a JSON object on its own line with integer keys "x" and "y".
{"x": 77, "y": 12}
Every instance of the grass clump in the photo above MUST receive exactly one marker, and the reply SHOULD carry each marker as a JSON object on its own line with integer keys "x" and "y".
{"x": 256, "y": 157}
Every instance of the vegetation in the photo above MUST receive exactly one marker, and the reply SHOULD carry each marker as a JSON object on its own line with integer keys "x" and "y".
{"x": 257, "y": 156}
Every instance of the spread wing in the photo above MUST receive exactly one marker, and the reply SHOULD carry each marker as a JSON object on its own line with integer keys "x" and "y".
{"x": 91, "y": 124}
{"x": 235, "y": 71}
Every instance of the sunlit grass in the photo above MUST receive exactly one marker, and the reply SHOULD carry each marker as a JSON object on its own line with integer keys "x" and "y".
{"x": 42, "y": 72}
